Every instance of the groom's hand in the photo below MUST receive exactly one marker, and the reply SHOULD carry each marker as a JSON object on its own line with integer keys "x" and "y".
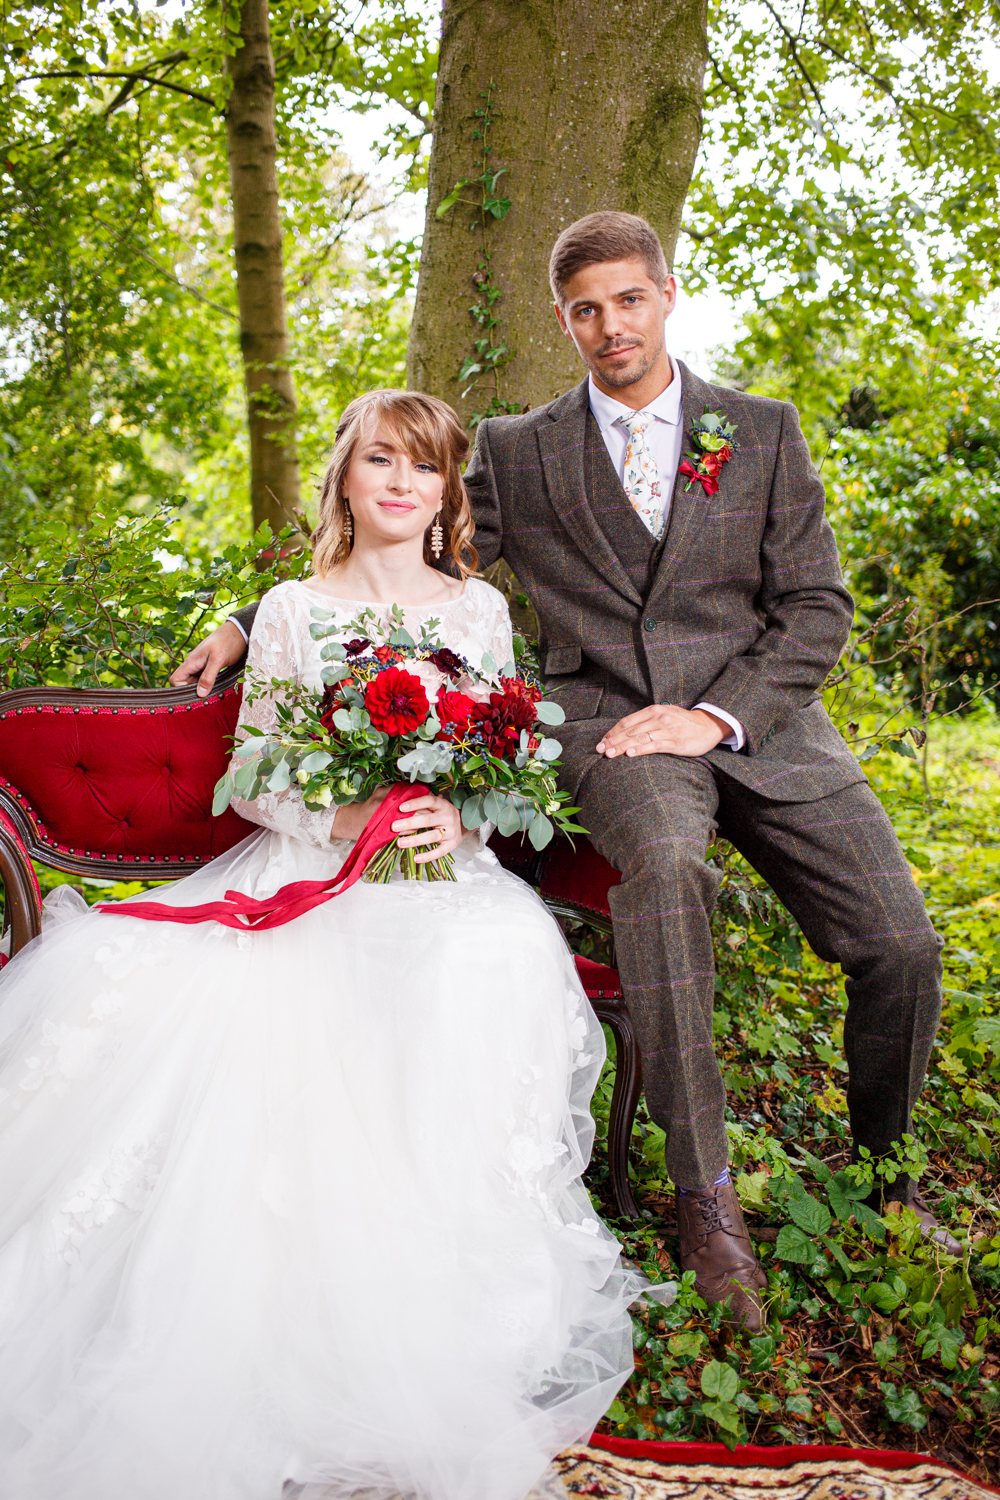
{"x": 664, "y": 729}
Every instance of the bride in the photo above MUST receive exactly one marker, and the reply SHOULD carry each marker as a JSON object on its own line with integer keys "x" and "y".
{"x": 300, "y": 1212}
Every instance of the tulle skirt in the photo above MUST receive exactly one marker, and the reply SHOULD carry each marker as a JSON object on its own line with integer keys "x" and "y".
{"x": 300, "y": 1212}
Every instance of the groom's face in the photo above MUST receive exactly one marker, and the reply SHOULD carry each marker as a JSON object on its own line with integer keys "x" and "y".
{"x": 614, "y": 313}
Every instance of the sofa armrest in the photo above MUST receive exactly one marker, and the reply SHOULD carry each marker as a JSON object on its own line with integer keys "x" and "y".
{"x": 23, "y": 901}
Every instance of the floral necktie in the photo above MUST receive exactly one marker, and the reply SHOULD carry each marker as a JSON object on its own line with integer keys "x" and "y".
{"x": 642, "y": 477}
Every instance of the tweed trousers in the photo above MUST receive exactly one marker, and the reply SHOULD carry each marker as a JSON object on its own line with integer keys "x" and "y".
{"x": 837, "y": 866}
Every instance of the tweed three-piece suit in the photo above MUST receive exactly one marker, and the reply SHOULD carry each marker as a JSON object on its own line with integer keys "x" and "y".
{"x": 742, "y": 605}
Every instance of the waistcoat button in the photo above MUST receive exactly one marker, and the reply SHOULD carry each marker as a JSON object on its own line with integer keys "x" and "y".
{"x": 649, "y": 623}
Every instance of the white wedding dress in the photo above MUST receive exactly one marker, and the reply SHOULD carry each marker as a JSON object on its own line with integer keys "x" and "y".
{"x": 299, "y": 1212}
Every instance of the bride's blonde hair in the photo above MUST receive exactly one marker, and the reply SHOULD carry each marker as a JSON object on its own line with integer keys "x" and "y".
{"x": 429, "y": 432}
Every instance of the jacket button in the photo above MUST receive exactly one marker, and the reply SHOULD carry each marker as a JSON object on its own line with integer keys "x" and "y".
{"x": 649, "y": 623}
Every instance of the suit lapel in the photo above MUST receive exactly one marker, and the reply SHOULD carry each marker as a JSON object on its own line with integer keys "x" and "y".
{"x": 561, "y": 444}
{"x": 687, "y": 507}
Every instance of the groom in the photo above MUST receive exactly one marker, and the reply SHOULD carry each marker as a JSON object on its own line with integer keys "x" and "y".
{"x": 690, "y": 608}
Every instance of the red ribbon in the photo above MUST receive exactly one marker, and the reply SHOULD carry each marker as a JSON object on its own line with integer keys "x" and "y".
{"x": 250, "y": 915}
{"x": 710, "y": 484}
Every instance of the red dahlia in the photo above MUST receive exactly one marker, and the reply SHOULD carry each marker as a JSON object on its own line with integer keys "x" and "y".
{"x": 503, "y": 718}
{"x": 396, "y": 701}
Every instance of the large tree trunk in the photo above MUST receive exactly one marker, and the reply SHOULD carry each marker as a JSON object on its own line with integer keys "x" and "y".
{"x": 596, "y": 106}
{"x": 252, "y": 146}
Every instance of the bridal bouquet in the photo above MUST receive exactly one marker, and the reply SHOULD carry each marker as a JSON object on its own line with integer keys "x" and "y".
{"x": 396, "y": 709}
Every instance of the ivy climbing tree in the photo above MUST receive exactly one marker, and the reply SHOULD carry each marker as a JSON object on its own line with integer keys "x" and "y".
{"x": 581, "y": 107}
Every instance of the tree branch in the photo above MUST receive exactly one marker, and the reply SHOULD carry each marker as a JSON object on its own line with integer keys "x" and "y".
{"x": 139, "y": 76}
{"x": 796, "y": 58}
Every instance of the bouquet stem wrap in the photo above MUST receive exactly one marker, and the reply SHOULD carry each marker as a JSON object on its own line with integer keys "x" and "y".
{"x": 250, "y": 915}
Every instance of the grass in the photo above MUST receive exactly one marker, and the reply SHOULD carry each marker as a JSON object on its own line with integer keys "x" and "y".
{"x": 875, "y": 1338}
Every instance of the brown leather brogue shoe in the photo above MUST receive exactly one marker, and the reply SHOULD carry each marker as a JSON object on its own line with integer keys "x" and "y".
{"x": 929, "y": 1226}
{"x": 716, "y": 1246}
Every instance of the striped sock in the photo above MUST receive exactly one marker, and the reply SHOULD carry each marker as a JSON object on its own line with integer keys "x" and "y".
{"x": 722, "y": 1180}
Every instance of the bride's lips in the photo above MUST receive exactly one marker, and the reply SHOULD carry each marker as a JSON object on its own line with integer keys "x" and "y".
{"x": 402, "y": 506}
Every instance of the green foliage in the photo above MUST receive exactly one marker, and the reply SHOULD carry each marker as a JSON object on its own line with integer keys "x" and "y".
{"x": 489, "y": 352}
{"x": 873, "y": 1331}
{"x": 118, "y": 601}
{"x": 124, "y": 381}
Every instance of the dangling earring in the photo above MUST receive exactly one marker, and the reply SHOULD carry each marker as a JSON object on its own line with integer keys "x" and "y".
{"x": 437, "y": 536}
{"x": 348, "y": 522}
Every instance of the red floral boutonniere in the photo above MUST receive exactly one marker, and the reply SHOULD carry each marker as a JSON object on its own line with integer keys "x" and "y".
{"x": 716, "y": 439}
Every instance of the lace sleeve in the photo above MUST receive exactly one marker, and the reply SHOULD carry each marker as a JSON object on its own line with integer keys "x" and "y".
{"x": 276, "y": 651}
{"x": 501, "y": 646}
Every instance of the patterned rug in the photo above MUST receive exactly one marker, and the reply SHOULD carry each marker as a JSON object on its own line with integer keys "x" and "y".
{"x": 775, "y": 1474}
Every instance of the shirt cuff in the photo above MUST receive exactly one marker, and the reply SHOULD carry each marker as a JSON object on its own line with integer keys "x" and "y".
{"x": 738, "y": 738}
{"x": 232, "y": 620}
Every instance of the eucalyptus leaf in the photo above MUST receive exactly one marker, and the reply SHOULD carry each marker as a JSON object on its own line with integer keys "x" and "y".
{"x": 548, "y": 712}
{"x": 472, "y": 812}
{"x": 541, "y": 831}
{"x": 280, "y": 778}
{"x": 316, "y": 760}
{"x": 223, "y": 795}
{"x": 548, "y": 750}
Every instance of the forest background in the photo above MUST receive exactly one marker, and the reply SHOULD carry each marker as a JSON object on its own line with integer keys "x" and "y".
{"x": 195, "y": 277}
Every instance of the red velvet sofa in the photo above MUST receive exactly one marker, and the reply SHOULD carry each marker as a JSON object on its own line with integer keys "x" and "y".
{"x": 118, "y": 784}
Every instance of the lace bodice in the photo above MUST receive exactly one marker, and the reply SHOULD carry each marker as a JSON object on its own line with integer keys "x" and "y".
{"x": 474, "y": 624}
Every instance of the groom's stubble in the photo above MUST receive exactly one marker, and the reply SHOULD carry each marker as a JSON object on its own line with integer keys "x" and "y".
{"x": 634, "y": 373}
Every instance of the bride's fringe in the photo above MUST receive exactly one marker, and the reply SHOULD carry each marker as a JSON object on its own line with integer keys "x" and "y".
{"x": 428, "y": 431}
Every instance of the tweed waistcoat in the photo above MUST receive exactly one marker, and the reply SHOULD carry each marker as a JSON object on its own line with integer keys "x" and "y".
{"x": 633, "y": 544}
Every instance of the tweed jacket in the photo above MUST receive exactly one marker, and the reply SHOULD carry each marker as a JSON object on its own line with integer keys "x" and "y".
{"x": 744, "y": 607}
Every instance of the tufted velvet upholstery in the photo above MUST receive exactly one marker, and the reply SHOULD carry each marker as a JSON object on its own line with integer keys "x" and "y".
{"x": 123, "y": 783}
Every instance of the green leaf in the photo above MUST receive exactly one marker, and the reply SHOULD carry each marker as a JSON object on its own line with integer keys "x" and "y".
{"x": 836, "y": 1250}
{"x": 762, "y": 1352}
{"x": 472, "y": 812}
{"x": 904, "y": 1407}
{"x": 720, "y": 1381}
{"x": 794, "y": 1245}
{"x": 280, "y": 777}
{"x": 725, "y": 1414}
{"x": 540, "y": 832}
{"x": 809, "y": 1214}
{"x": 870, "y": 1222}
{"x": 799, "y": 1406}
{"x": 317, "y": 760}
{"x": 843, "y": 1194}
{"x": 548, "y": 712}
{"x": 686, "y": 1344}
{"x": 223, "y": 795}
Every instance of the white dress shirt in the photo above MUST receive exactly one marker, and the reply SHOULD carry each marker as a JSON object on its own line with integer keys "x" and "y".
{"x": 665, "y": 440}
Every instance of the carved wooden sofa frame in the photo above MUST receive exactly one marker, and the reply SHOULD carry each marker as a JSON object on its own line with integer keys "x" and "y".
{"x": 118, "y": 785}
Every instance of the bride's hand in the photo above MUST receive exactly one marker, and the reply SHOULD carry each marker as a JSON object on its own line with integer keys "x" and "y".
{"x": 435, "y": 821}
{"x": 350, "y": 822}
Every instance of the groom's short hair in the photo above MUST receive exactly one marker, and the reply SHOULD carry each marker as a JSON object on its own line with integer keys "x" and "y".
{"x": 600, "y": 237}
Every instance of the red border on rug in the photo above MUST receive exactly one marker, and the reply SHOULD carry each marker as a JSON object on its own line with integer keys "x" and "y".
{"x": 748, "y": 1456}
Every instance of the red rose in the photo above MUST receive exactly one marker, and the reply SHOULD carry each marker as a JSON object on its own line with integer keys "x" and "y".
{"x": 396, "y": 701}
{"x": 712, "y": 462}
{"x": 503, "y": 718}
{"x": 454, "y": 710}
{"x": 387, "y": 653}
